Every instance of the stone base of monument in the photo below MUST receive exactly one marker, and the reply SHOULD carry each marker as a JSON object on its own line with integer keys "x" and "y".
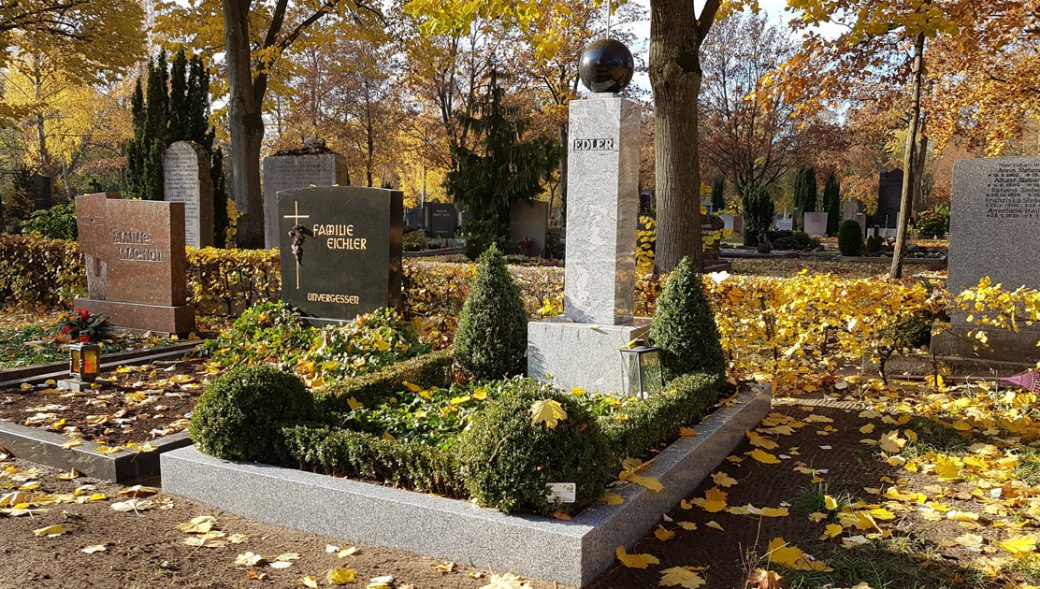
{"x": 582, "y": 355}
{"x": 573, "y": 552}
{"x": 1006, "y": 347}
{"x": 158, "y": 319}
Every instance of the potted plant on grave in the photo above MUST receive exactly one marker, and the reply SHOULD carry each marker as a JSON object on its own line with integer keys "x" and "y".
{"x": 85, "y": 326}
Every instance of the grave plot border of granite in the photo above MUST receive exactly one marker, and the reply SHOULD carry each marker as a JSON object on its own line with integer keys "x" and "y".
{"x": 573, "y": 552}
{"x": 123, "y": 467}
{"x": 47, "y": 447}
{"x": 40, "y": 372}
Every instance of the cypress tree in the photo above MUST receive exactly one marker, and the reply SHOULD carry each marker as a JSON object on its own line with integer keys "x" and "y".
{"x": 804, "y": 193}
{"x": 832, "y": 203}
{"x": 134, "y": 153}
{"x": 220, "y": 199}
{"x": 718, "y": 199}
{"x": 177, "y": 129}
{"x": 758, "y": 212}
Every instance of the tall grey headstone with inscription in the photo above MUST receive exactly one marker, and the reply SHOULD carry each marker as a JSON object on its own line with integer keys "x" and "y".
{"x": 580, "y": 348}
{"x": 186, "y": 179}
{"x": 994, "y": 232}
{"x": 312, "y": 165}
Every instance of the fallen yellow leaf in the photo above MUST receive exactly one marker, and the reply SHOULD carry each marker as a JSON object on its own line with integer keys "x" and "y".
{"x": 547, "y": 411}
{"x": 50, "y": 531}
{"x": 764, "y": 457}
{"x": 681, "y": 577}
{"x": 340, "y": 576}
{"x": 635, "y": 561}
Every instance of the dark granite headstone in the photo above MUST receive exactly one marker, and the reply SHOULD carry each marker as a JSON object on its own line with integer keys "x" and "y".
{"x": 413, "y": 217}
{"x": 890, "y": 193}
{"x": 340, "y": 250}
{"x": 441, "y": 219}
{"x": 135, "y": 262}
{"x": 42, "y": 190}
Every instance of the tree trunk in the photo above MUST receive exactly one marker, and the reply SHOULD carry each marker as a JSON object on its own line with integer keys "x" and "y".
{"x": 675, "y": 76}
{"x": 922, "y": 153}
{"x": 909, "y": 160}
{"x": 247, "y": 124}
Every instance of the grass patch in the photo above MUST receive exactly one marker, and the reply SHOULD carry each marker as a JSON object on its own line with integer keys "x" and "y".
{"x": 933, "y": 436}
{"x": 902, "y": 562}
{"x": 1028, "y": 469}
{"x": 811, "y": 499}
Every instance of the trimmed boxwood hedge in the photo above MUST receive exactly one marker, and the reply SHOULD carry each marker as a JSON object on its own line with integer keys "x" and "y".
{"x": 344, "y": 452}
{"x": 428, "y": 370}
{"x": 656, "y": 421}
{"x": 508, "y": 461}
{"x": 510, "y": 478}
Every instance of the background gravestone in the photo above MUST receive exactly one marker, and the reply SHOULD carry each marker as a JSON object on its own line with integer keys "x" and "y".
{"x": 528, "y": 219}
{"x": 890, "y": 194}
{"x": 186, "y": 179}
{"x": 312, "y": 165}
{"x": 413, "y": 218}
{"x": 135, "y": 263}
{"x": 994, "y": 232}
{"x": 815, "y": 224}
{"x": 350, "y": 257}
{"x": 440, "y": 219}
{"x": 42, "y": 190}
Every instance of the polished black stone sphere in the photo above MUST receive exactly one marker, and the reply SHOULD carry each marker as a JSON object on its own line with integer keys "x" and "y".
{"x": 606, "y": 66}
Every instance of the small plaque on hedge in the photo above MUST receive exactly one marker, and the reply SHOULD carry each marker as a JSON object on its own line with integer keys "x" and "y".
{"x": 562, "y": 492}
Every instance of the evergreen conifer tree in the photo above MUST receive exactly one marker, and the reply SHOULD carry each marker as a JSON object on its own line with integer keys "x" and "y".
{"x": 758, "y": 212}
{"x": 684, "y": 326}
{"x": 718, "y": 198}
{"x": 220, "y": 199}
{"x": 501, "y": 168}
{"x": 804, "y": 194}
{"x": 832, "y": 203}
{"x": 176, "y": 128}
{"x": 491, "y": 340}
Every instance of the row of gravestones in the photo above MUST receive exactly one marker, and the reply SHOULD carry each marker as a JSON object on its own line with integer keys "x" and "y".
{"x": 341, "y": 246}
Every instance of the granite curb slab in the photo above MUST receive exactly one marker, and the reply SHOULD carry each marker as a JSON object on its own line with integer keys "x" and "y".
{"x": 125, "y": 467}
{"x": 573, "y": 552}
{"x": 14, "y": 376}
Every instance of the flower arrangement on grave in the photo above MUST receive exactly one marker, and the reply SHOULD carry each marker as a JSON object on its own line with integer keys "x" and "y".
{"x": 85, "y": 326}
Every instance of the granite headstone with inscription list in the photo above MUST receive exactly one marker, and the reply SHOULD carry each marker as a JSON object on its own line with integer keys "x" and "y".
{"x": 994, "y": 232}
{"x": 311, "y": 165}
{"x": 340, "y": 250}
{"x": 186, "y": 179}
{"x": 135, "y": 263}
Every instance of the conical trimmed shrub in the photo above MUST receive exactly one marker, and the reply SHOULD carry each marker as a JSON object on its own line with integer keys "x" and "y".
{"x": 491, "y": 340}
{"x": 684, "y": 326}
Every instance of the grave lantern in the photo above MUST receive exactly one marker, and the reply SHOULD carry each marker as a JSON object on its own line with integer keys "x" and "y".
{"x": 84, "y": 361}
{"x": 641, "y": 369}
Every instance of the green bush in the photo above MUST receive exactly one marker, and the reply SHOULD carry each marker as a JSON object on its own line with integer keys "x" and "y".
{"x": 343, "y": 452}
{"x": 911, "y": 332}
{"x": 239, "y": 415}
{"x": 428, "y": 370}
{"x": 656, "y": 420}
{"x": 508, "y": 460}
{"x": 850, "y": 238}
{"x": 933, "y": 222}
{"x": 684, "y": 326}
{"x": 57, "y": 222}
{"x": 491, "y": 341}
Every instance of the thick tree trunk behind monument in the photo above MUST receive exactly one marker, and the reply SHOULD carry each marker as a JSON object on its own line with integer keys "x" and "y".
{"x": 909, "y": 161}
{"x": 247, "y": 125}
{"x": 675, "y": 75}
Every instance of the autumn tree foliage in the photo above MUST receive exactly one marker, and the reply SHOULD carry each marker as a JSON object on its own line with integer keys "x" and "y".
{"x": 254, "y": 36}
{"x": 882, "y": 49}
{"x": 749, "y": 133}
